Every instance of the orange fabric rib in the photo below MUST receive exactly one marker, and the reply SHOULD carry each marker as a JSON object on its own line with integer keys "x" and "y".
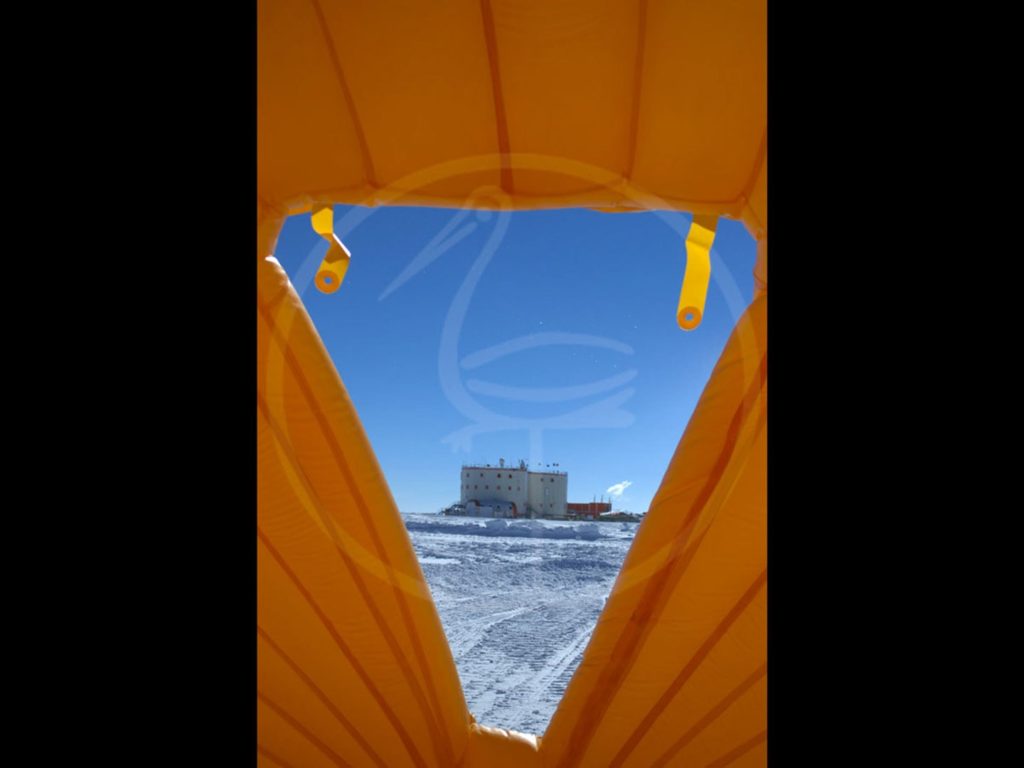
{"x": 711, "y": 716}
{"x": 656, "y": 590}
{"x": 318, "y": 692}
{"x": 638, "y": 81}
{"x": 306, "y": 733}
{"x": 738, "y": 752}
{"x": 396, "y": 722}
{"x": 260, "y": 749}
{"x": 364, "y": 148}
{"x": 432, "y": 714}
{"x": 490, "y": 37}
{"x": 688, "y": 670}
{"x": 357, "y": 579}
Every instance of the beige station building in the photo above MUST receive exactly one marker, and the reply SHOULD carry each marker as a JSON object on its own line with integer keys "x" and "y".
{"x": 513, "y": 491}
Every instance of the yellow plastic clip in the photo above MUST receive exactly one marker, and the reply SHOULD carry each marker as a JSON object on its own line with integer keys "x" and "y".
{"x": 698, "y": 272}
{"x": 335, "y": 264}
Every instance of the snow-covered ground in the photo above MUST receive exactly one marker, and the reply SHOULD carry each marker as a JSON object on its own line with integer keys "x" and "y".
{"x": 518, "y": 601}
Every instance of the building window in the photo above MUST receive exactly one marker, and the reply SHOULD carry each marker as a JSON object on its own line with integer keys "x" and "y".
{"x": 476, "y": 487}
{"x": 487, "y": 487}
{"x": 481, "y": 474}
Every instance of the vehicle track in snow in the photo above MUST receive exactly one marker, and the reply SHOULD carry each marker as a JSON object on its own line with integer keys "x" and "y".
{"x": 518, "y": 606}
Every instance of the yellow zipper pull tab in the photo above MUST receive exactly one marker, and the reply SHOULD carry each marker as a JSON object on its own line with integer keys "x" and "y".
{"x": 335, "y": 264}
{"x": 698, "y": 272}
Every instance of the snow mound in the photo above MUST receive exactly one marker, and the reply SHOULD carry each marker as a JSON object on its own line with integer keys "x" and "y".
{"x": 533, "y": 529}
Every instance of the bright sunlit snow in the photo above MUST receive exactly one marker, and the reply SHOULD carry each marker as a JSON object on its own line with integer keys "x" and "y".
{"x": 518, "y": 601}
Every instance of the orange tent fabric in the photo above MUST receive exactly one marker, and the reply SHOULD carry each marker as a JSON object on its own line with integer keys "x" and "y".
{"x": 613, "y": 105}
{"x": 598, "y": 103}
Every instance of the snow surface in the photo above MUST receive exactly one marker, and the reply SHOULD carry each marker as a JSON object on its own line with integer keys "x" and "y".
{"x": 518, "y": 601}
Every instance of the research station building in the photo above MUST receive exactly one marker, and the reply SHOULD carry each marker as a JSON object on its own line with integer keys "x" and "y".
{"x": 502, "y": 491}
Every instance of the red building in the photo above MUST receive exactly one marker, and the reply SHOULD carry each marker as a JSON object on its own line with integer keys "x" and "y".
{"x": 589, "y": 509}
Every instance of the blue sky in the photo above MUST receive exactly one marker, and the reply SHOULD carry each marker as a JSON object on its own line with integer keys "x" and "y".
{"x": 548, "y": 336}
